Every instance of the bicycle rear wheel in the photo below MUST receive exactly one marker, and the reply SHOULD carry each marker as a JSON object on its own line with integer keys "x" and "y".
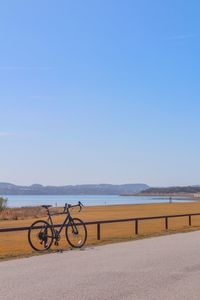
{"x": 76, "y": 233}
{"x": 40, "y": 235}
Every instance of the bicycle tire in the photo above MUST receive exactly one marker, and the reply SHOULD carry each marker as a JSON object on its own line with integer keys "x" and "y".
{"x": 42, "y": 236}
{"x": 69, "y": 228}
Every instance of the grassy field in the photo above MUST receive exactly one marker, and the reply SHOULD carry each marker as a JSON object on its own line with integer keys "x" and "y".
{"x": 15, "y": 244}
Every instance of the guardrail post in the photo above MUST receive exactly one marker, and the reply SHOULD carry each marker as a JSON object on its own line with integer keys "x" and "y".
{"x": 190, "y": 220}
{"x": 166, "y": 223}
{"x": 98, "y": 232}
{"x": 136, "y": 227}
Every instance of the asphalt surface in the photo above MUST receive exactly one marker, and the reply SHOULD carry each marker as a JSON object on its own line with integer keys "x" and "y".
{"x": 166, "y": 267}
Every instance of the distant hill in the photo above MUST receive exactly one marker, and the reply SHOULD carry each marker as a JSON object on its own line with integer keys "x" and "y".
{"x": 85, "y": 189}
{"x": 172, "y": 190}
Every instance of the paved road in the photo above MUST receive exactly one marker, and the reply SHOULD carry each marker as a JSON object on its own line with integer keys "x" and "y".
{"x": 166, "y": 267}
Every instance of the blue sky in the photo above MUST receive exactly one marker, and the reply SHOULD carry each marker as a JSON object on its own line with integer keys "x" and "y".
{"x": 100, "y": 92}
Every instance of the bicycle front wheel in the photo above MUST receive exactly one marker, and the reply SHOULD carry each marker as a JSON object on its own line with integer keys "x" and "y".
{"x": 76, "y": 233}
{"x": 40, "y": 235}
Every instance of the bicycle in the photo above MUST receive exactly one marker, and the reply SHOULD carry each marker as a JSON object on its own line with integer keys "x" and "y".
{"x": 42, "y": 234}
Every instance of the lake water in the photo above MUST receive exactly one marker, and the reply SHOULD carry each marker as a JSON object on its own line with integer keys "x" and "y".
{"x": 20, "y": 201}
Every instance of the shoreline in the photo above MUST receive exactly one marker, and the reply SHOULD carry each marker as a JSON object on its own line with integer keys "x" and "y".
{"x": 191, "y": 195}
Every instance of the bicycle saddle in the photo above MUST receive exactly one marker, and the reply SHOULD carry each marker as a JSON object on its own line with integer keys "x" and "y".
{"x": 46, "y": 206}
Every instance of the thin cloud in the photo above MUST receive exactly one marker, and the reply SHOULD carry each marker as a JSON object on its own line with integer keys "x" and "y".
{"x": 18, "y": 68}
{"x": 182, "y": 37}
{"x": 3, "y": 133}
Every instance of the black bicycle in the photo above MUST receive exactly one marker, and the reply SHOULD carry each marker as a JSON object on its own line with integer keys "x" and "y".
{"x": 42, "y": 234}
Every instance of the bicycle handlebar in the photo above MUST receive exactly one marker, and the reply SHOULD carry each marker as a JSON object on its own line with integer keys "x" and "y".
{"x": 67, "y": 206}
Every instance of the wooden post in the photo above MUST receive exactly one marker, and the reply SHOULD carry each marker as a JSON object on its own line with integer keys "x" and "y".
{"x": 98, "y": 232}
{"x": 190, "y": 220}
{"x": 166, "y": 223}
{"x": 136, "y": 227}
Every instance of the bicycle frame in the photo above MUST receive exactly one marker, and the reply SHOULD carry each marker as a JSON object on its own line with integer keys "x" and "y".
{"x": 68, "y": 220}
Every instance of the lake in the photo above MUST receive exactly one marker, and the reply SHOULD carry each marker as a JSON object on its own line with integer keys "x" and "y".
{"x": 20, "y": 201}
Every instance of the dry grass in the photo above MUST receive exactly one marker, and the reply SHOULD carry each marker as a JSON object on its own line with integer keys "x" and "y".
{"x": 22, "y": 213}
{"x": 15, "y": 244}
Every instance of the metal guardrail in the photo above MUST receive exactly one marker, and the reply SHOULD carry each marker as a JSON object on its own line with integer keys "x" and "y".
{"x": 98, "y": 223}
